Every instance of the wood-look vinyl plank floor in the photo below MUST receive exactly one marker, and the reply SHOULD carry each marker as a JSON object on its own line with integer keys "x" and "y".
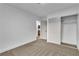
{"x": 41, "y": 48}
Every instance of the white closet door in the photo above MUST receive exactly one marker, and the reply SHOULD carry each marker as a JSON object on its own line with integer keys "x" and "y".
{"x": 54, "y": 30}
{"x": 69, "y": 34}
{"x": 69, "y": 29}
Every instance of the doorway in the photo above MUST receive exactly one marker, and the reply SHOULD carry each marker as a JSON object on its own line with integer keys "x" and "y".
{"x": 38, "y": 25}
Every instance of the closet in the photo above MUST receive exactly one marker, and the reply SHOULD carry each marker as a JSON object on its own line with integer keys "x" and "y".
{"x": 69, "y": 29}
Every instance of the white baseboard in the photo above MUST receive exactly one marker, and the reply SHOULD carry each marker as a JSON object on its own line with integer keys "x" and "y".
{"x": 54, "y": 42}
{"x": 18, "y": 45}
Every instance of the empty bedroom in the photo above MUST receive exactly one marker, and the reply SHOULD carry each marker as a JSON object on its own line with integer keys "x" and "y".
{"x": 39, "y": 29}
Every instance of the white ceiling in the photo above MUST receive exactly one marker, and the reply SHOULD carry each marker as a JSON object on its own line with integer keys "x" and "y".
{"x": 43, "y": 9}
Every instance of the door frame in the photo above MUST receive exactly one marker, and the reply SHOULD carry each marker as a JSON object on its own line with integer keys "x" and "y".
{"x": 76, "y": 28}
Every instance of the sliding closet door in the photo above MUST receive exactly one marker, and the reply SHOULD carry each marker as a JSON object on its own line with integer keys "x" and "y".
{"x": 69, "y": 29}
{"x": 54, "y": 30}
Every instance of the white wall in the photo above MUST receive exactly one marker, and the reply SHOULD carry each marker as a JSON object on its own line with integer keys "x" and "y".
{"x": 44, "y": 29}
{"x": 54, "y": 30}
{"x": 78, "y": 32}
{"x": 16, "y": 27}
{"x": 65, "y": 12}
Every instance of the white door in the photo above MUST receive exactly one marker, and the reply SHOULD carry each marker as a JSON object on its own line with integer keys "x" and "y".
{"x": 69, "y": 33}
{"x": 54, "y": 30}
{"x": 69, "y": 30}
